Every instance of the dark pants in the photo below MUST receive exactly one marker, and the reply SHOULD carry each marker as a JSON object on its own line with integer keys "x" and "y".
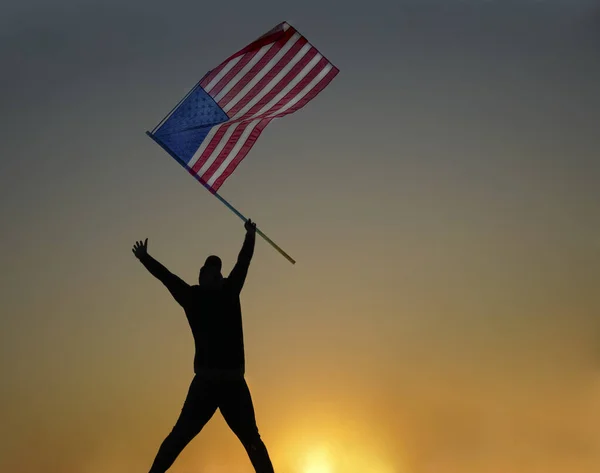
{"x": 206, "y": 394}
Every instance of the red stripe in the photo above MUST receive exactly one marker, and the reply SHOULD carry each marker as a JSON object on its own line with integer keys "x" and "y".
{"x": 212, "y": 74}
{"x": 269, "y": 37}
{"x": 211, "y": 147}
{"x": 231, "y": 74}
{"x": 293, "y": 92}
{"x": 282, "y": 84}
{"x": 255, "y": 70}
{"x": 242, "y": 153}
{"x": 313, "y": 92}
{"x": 231, "y": 142}
{"x": 293, "y": 72}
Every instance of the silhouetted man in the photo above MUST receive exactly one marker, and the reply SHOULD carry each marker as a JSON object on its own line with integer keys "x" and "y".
{"x": 214, "y": 313}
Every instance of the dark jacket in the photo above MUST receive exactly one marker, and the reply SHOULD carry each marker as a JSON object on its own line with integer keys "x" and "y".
{"x": 214, "y": 315}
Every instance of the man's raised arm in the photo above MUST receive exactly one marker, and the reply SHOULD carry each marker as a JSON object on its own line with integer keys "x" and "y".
{"x": 238, "y": 274}
{"x": 176, "y": 286}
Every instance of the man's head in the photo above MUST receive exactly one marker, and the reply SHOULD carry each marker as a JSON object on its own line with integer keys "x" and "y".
{"x": 210, "y": 273}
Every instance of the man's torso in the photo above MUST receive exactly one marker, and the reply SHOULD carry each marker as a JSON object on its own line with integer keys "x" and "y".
{"x": 215, "y": 319}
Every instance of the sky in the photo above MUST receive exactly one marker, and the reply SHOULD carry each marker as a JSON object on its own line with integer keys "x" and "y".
{"x": 440, "y": 197}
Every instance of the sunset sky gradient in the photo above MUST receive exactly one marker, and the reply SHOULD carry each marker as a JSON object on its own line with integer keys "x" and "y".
{"x": 441, "y": 198}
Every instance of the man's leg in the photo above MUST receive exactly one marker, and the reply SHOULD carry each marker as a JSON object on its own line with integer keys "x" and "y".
{"x": 199, "y": 406}
{"x": 238, "y": 411}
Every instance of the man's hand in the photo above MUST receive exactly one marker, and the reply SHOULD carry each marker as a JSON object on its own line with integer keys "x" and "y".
{"x": 250, "y": 226}
{"x": 140, "y": 249}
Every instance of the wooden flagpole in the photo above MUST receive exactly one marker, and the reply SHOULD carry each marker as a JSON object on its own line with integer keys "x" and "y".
{"x": 235, "y": 211}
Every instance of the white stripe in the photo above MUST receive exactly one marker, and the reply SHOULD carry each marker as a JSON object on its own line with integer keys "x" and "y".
{"x": 311, "y": 85}
{"x": 217, "y": 150}
{"x": 222, "y": 73}
{"x": 276, "y": 80}
{"x": 287, "y": 88}
{"x": 242, "y": 93}
{"x": 257, "y": 57}
{"x": 234, "y": 152}
{"x": 211, "y": 134}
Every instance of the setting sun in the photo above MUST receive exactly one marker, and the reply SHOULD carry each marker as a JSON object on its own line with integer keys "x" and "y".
{"x": 318, "y": 461}
{"x": 331, "y": 440}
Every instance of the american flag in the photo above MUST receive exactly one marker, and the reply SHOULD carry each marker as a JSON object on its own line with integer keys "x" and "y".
{"x": 214, "y": 127}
